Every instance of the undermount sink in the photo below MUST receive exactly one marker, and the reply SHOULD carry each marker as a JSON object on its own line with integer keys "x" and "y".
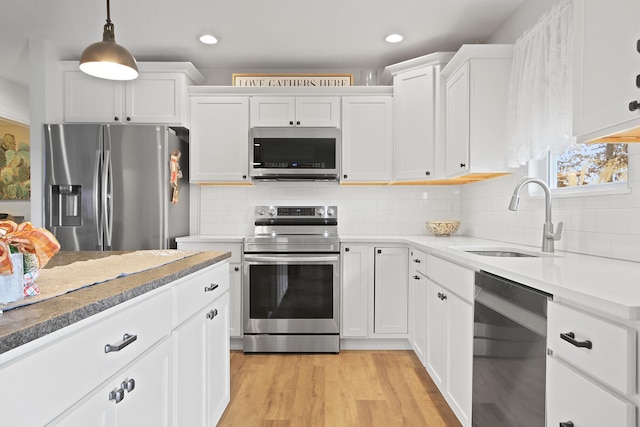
{"x": 506, "y": 254}
{"x": 502, "y": 252}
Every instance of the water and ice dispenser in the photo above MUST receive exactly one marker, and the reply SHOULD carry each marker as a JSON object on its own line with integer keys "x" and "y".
{"x": 66, "y": 205}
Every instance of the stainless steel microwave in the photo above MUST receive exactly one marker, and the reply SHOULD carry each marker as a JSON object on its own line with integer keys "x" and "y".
{"x": 280, "y": 154}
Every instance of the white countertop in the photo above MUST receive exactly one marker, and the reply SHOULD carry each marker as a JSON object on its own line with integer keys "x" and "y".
{"x": 602, "y": 284}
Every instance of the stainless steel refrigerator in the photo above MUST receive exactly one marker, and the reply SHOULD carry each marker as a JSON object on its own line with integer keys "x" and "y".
{"x": 109, "y": 187}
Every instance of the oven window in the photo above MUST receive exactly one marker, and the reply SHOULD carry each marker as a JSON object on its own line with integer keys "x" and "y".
{"x": 297, "y": 291}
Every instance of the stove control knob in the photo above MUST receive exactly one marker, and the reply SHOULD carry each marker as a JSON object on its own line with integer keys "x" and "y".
{"x": 261, "y": 212}
{"x": 272, "y": 211}
{"x": 330, "y": 212}
{"x": 320, "y": 212}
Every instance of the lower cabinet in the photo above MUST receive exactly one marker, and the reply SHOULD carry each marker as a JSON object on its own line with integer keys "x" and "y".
{"x": 139, "y": 395}
{"x": 201, "y": 360}
{"x": 153, "y": 360}
{"x": 449, "y": 349}
{"x": 235, "y": 276}
{"x": 391, "y": 285}
{"x": 591, "y": 369}
{"x": 374, "y": 292}
{"x": 418, "y": 304}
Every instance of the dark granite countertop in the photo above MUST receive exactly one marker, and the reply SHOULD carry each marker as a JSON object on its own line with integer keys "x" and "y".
{"x": 22, "y": 325}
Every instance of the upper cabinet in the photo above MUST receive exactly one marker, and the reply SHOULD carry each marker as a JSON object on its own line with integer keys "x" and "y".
{"x": 158, "y": 95}
{"x": 477, "y": 84}
{"x": 418, "y": 107}
{"x": 367, "y": 139}
{"x": 289, "y": 111}
{"x": 219, "y": 139}
{"x": 606, "y": 69}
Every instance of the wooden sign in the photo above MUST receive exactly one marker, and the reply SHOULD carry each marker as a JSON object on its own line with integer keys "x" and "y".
{"x": 292, "y": 80}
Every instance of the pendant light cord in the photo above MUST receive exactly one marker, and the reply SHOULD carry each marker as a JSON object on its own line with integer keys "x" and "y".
{"x": 108, "y": 13}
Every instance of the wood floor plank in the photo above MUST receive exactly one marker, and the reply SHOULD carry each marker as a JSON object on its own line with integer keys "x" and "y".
{"x": 353, "y": 388}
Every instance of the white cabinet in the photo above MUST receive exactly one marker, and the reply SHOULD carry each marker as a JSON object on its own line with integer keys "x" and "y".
{"x": 138, "y": 395}
{"x": 219, "y": 139}
{"x": 61, "y": 368}
{"x": 374, "y": 292}
{"x": 157, "y": 96}
{"x": 235, "y": 276}
{"x": 418, "y": 103}
{"x": 357, "y": 268}
{"x": 202, "y": 349}
{"x": 418, "y": 303}
{"x": 391, "y": 291}
{"x": 450, "y": 333}
{"x": 477, "y": 80}
{"x": 367, "y": 139}
{"x": 592, "y": 369}
{"x": 139, "y": 381}
{"x": 572, "y": 398}
{"x": 202, "y": 359}
{"x": 606, "y": 67}
{"x": 303, "y": 111}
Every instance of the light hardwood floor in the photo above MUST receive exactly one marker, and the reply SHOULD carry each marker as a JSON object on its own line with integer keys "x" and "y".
{"x": 353, "y": 388}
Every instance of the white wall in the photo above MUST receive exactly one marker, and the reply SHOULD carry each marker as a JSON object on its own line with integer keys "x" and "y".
{"x": 14, "y": 101}
{"x": 368, "y": 210}
{"x": 597, "y": 225}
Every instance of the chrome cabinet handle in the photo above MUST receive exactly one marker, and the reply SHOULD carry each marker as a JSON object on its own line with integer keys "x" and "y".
{"x": 570, "y": 337}
{"x": 634, "y": 105}
{"x": 126, "y": 340}
{"x": 213, "y": 313}
{"x": 566, "y": 424}
{"x": 128, "y": 385}
{"x": 210, "y": 288}
{"x": 116, "y": 395}
{"x": 442, "y": 296}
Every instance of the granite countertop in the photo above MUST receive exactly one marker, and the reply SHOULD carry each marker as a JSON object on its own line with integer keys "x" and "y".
{"x": 22, "y": 325}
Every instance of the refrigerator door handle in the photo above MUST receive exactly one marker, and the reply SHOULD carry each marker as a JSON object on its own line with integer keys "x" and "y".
{"x": 97, "y": 196}
{"x": 107, "y": 180}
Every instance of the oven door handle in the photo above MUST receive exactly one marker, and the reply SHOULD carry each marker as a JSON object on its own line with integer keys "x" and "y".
{"x": 284, "y": 259}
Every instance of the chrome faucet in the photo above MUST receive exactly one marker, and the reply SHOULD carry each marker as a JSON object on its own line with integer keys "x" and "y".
{"x": 548, "y": 236}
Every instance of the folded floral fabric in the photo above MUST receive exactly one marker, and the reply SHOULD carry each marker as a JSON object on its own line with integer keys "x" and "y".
{"x": 26, "y": 239}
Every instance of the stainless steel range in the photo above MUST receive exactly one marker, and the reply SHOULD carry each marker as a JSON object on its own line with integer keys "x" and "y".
{"x": 291, "y": 284}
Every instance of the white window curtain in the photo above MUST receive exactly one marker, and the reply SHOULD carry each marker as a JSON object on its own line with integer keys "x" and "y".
{"x": 539, "y": 113}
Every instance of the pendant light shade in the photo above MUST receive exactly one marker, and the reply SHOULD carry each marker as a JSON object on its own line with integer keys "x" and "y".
{"x": 107, "y": 59}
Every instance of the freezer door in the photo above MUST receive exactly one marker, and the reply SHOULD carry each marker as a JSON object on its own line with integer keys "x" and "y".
{"x": 72, "y": 191}
{"x": 137, "y": 187}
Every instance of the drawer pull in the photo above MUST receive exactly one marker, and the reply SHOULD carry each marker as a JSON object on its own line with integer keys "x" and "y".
{"x": 213, "y": 313}
{"x": 417, "y": 260}
{"x": 442, "y": 296}
{"x": 116, "y": 395}
{"x": 128, "y": 385}
{"x": 126, "y": 340}
{"x": 566, "y": 424}
{"x": 210, "y": 288}
{"x": 570, "y": 337}
{"x": 416, "y": 277}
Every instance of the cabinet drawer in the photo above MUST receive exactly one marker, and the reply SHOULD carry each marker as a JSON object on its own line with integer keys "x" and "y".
{"x": 418, "y": 261}
{"x": 455, "y": 278}
{"x": 573, "y": 397}
{"x": 197, "y": 290}
{"x": 56, "y": 375}
{"x": 612, "y": 356}
{"x": 235, "y": 249}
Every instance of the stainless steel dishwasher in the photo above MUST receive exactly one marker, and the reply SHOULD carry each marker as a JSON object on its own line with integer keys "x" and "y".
{"x": 509, "y": 353}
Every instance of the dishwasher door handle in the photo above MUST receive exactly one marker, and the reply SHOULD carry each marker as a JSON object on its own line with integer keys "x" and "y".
{"x": 570, "y": 337}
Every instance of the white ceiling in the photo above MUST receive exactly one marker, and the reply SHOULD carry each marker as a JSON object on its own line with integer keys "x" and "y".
{"x": 253, "y": 34}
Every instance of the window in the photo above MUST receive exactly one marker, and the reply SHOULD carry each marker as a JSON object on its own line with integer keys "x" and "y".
{"x": 589, "y": 165}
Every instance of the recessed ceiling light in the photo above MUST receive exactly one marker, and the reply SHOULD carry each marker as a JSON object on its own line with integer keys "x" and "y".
{"x": 208, "y": 39}
{"x": 393, "y": 38}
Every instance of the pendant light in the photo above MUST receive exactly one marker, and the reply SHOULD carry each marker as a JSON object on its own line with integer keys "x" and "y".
{"x": 107, "y": 59}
